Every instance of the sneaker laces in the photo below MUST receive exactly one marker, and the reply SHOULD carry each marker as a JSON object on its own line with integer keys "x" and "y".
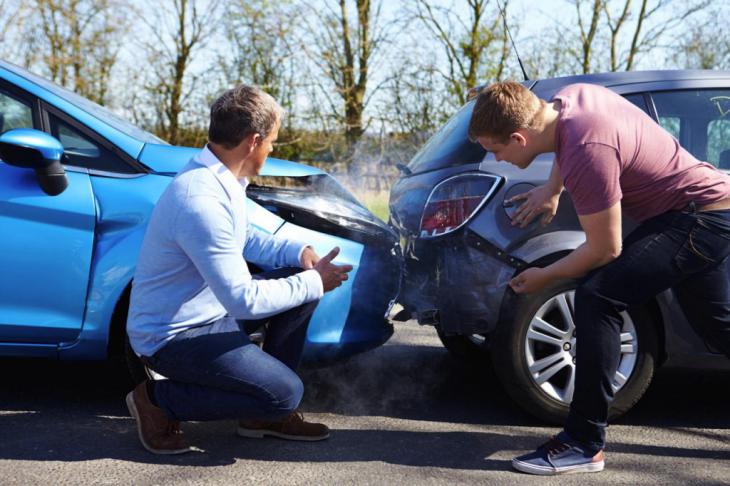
{"x": 555, "y": 446}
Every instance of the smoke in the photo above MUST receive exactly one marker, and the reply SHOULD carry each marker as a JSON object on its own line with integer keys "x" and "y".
{"x": 398, "y": 377}
{"x": 371, "y": 166}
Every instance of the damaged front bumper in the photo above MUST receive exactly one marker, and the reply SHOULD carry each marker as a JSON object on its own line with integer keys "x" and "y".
{"x": 320, "y": 204}
{"x": 456, "y": 283}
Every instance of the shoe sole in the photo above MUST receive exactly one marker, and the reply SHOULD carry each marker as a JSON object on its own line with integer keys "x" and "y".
{"x": 526, "y": 467}
{"x": 260, "y": 434}
{"x": 135, "y": 415}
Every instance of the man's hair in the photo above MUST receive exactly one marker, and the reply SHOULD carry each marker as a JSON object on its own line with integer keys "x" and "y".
{"x": 241, "y": 111}
{"x": 501, "y": 109}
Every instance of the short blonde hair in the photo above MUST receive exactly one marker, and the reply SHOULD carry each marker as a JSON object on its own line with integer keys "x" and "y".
{"x": 503, "y": 108}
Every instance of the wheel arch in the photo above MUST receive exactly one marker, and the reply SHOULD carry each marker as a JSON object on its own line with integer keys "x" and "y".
{"x": 118, "y": 324}
{"x": 541, "y": 260}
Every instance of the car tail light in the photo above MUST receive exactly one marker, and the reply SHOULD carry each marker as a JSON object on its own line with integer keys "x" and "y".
{"x": 454, "y": 201}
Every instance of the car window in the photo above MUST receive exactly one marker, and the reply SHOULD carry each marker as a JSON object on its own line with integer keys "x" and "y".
{"x": 700, "y": 120}
{"x": 638, "y": 100}
{"x": 14, "y": 113}
{"x": 82, "y": 151}
{"x": 718, "y": 142}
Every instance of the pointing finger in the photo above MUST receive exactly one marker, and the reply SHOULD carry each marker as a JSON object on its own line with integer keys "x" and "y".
{"x": 330, "y": 256}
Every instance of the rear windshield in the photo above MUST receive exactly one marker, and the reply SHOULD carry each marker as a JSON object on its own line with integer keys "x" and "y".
{"x": 450, "y": 146}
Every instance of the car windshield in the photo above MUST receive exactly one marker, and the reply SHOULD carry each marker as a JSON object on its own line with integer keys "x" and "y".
{"x": 94, "y": 109}
{"x": 450, "y": 146}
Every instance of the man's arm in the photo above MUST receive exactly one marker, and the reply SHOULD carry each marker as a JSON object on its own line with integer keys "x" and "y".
{"x": 602, "y": 245}
{"x": 264, "y": 248}
{"x": 208, "y": 238}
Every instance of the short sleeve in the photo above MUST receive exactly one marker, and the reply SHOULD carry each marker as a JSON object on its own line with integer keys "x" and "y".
{"x": 591, "y": 174}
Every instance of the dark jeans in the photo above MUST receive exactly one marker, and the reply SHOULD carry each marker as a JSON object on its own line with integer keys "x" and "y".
{"x": 215, "y": 371}
{"x": 685, "y": 250}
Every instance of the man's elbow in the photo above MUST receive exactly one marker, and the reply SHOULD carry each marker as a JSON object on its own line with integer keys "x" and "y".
{"x": 611, "y": 254}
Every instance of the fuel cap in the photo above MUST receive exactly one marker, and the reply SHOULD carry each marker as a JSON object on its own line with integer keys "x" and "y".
{"x": 520, "y": 188}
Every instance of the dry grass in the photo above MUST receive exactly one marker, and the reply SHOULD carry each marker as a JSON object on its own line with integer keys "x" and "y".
{"x": 376, "y": 202}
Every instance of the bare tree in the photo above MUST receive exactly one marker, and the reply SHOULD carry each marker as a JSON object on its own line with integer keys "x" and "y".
{"x": 552, "y": 52}
{"x": 343, "y": 41}
{"x": 587, "y": 29}
{"x": 9, "y": 10}
{"x": 259, "y": 32}
{"x": 79, "y": 41}
{"x": 706, "y": 43}
{"x": 651, "y": 22}
{"x": 476, "y": 49}
{"x": 177, "y": 32}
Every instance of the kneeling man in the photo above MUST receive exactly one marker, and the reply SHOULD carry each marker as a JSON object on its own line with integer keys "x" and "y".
{"x": 194, "y": 301}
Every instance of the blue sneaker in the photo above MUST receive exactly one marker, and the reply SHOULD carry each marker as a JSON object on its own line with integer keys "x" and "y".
{"x": 559, "y": 455}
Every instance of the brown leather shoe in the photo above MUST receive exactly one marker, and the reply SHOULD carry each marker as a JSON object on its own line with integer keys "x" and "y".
{"x": 157, "y": 433}
{"x": 292, "y": 427}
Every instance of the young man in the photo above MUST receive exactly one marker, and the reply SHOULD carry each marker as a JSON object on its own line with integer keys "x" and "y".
{"x": 194, "y": 301}
{"x": 614, "y": 160}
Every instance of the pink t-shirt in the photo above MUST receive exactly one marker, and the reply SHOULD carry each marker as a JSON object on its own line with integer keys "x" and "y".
{"x": 609, "y": 150}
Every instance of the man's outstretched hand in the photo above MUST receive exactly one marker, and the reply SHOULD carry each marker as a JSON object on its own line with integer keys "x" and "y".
{"x": 332, "y": 275}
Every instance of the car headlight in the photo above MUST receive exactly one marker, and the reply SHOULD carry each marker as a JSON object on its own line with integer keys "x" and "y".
{"x": 454, "y": 201}
{"x": 320, "y": 203}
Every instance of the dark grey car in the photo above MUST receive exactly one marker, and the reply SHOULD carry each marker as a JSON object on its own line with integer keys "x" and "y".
{"x": 461, "y": 250}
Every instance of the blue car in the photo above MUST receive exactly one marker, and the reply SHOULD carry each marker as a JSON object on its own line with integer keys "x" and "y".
{"x": 77, "y": 185}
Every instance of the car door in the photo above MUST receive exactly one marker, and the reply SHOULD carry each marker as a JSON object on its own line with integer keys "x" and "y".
{"x": 46, "y": 244}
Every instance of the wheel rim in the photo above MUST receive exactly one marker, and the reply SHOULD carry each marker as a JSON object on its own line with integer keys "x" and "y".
{"x": 478, "y": 340}
{"x": 550, "y": 346}
{"x": 153, "y": 375}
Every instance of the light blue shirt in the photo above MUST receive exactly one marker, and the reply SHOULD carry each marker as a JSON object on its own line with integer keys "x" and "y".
{"x": 191, "y": 269}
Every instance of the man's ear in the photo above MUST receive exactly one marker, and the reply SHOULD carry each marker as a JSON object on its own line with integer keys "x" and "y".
{"x": 519, "y": 137}
{"x": 249, "y": 142}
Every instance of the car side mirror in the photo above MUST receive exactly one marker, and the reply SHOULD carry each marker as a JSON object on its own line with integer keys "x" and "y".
{"x": 33, "y": 149}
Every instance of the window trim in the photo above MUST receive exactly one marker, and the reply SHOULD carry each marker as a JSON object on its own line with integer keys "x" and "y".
{"x": 138, "y": 168}
{"x": 27, "y": 98}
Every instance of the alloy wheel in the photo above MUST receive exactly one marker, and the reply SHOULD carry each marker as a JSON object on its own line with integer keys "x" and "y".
{"x": 550, "y": 346}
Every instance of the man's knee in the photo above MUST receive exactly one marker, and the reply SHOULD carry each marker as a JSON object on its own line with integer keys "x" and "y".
{"x": 288, "y": 394}
{"x": 589, "y": 299}
{"x": 586, "y": 295}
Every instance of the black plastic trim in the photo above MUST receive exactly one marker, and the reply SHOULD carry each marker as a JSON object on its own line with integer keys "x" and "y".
{"x": 123, "y": 156}
{"x": 485, "y": 246}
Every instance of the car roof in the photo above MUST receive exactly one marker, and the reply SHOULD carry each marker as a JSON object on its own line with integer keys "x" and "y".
{"x": 547, "y": 87}
{"x": 125, "y": 135}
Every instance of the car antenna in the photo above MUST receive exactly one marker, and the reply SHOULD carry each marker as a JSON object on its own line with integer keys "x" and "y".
{"x": 506, "y": 28}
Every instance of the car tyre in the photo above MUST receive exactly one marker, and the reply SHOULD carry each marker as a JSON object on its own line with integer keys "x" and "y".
{"x": 510, "y": 357}
{"x": 138, "y": 372}
{"x": 472, "y": 348}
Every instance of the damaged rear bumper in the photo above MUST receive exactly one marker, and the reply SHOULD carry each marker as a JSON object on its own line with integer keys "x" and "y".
{"x": 456, "y": 283}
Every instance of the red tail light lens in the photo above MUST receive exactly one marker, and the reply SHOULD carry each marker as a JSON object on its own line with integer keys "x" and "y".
{"x": 454, "y": 201}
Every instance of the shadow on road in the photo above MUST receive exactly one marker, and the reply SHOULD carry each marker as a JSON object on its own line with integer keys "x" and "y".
{"x": 57, "y": 411}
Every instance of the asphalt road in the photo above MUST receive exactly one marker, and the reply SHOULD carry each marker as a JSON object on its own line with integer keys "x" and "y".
{"x": 406, "y": 413}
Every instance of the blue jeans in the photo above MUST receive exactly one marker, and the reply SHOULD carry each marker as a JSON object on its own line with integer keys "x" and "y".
{"x": 685, "y": 250}
{"x": 215, "y": 372}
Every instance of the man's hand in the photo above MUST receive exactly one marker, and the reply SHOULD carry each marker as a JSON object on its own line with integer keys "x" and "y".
{"x": 531, "y": 280}
{"x": 540, "y": 200}
{"x": 309, "y": 258}
{"x": 332, "y": 275}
